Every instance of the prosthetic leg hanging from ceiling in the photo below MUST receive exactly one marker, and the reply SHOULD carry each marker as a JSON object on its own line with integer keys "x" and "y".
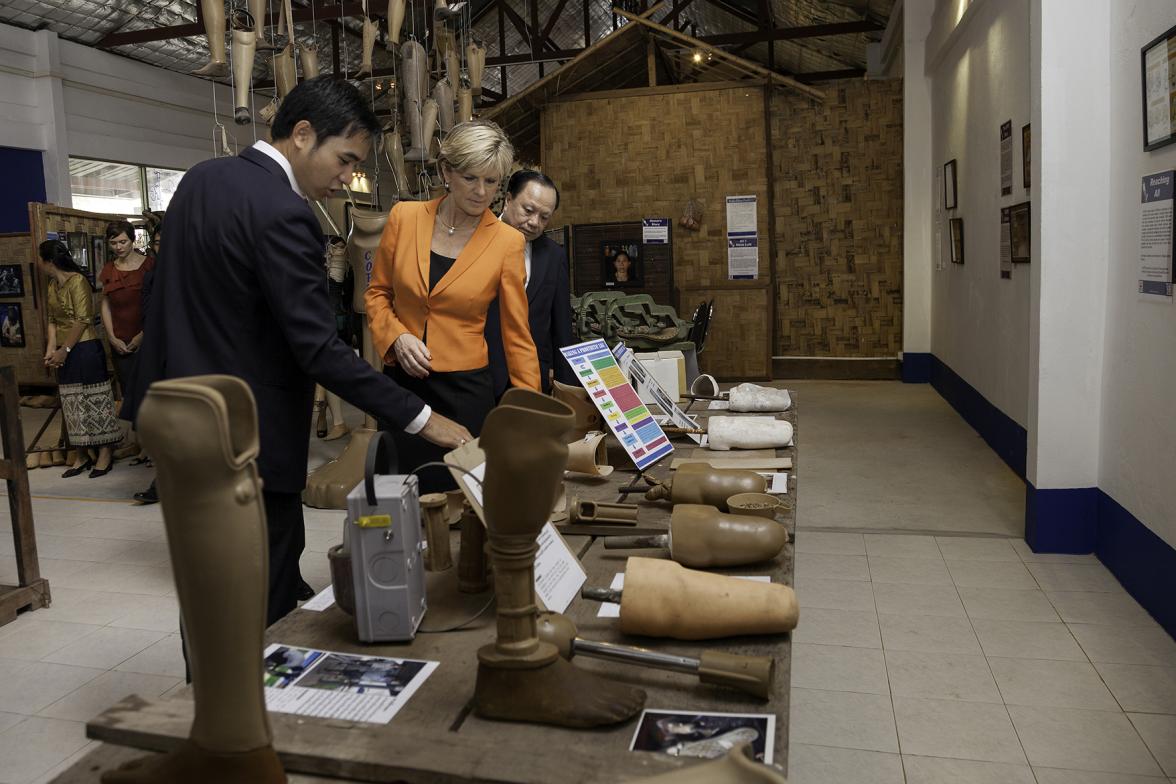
{"x": 285, "y": 72}
{"x": 415, "y": 78}
{"x": 202, "y": 434}
{"x": 308, "y": 53}
{"x": 257, "y": 9}
{"x": 213, "y": 12}
{"x": 394, "y": 154}
{"x": 369, "y": 46}
{"x": 244, "y": 46}
{"x": 395, "y": 21}
{"x": 521, "y": 678}
{"x": 476, "y": 62}
{"x": 443, "y": 95}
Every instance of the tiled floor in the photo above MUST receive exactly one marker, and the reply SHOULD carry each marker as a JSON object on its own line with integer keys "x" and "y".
{"x": 973, "y": 660}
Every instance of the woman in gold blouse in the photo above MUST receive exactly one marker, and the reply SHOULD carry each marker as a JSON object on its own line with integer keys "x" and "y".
{"x": 83, "y": 384}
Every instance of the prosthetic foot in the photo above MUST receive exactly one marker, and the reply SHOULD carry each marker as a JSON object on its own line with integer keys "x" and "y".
{"x": 308, "y": 53}
{"x": 736, "y": 767}
{"x": 664, "y": 599}
{"x": 521, "y": 678}
{"x": 588, "y": 418}
{"x": 213, "y": 12}
{"x": 589, "y": 456}
{"x": 702, "y": 536}
{"x": 698, "y": 483}
{"x": 395, "y": 21}
{"x": 754, "y": 398}
{"x": 244, "y": 47}
{"x": 257, "y": 11}
{"x": 202, "y": 433}
{"x": 285, "y": 71}
{"x": 750, "y": 674}
{"x": 369, "y": 46}
{"x": 727, "y": 432}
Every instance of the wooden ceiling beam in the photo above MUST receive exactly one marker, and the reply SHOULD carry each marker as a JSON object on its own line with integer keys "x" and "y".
{"x": 793, "y": 33}
{"x": 320, "y": 11}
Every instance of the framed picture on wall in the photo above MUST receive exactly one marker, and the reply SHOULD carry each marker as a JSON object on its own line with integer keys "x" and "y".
{"x": 949, "y": 185}
{"x": 99, "y": 250}
{"x": 957, "y": 240}
{"x": 1158, "y": 58}
{"x": 1026, "y": 149}
{"x": 621, "y": 265}
{"x": 11, "y": 326}
{"x": 1019, "y": 228}
{"x": 79, "y": 248}
{"x": 11, "y": 280}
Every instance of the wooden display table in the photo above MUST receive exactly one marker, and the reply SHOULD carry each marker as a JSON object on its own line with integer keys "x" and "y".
{"x": 436, "y": 737}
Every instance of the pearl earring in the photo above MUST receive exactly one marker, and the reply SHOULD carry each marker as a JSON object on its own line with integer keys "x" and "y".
{"x": 446, "y": 185}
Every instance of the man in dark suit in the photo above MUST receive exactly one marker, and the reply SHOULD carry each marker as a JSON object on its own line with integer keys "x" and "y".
{"x": 531, "y": 199}
{"x": 240, "y": 289}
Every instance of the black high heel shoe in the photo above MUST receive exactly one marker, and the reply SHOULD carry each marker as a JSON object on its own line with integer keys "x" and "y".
{"x": 97, "y": 472}
{"x": 86, "y": 466}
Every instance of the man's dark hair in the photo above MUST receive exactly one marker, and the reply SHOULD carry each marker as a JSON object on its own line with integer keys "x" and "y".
{"x": 115, "y": 228}
{"x": 333, "y": 107}
{"x": 519, "y": 180}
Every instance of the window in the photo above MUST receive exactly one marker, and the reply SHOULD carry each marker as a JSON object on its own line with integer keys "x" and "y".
{"x": 120, "y": 188}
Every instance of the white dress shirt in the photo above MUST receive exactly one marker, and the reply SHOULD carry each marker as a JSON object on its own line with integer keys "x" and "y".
{"x": 417, "y": 424}
{"x": 526, "y": 257}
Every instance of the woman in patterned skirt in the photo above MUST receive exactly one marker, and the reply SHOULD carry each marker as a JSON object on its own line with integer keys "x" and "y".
{"x": 74, "y": 349}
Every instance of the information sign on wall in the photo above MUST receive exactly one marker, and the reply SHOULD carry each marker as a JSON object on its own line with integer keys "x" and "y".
{"x": 742, "y": 238}
{"x": 1156, "y": 236}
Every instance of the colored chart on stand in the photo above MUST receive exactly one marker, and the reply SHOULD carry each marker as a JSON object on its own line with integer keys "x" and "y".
{"x": 618, "y": 402}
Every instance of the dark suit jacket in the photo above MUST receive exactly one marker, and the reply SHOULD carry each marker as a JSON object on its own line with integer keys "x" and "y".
{"x": 240, "y": 289}
{"x": 550, "y": 307}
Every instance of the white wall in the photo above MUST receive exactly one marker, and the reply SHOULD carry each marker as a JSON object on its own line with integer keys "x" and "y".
{"x": 918, "y": 177}
{"x": 1139, "y": 365}
{"x": 978, "y": 61}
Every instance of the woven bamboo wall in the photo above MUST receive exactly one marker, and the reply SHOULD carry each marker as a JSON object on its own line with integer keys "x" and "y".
{"x": 737, "y": 344}
{"x": 622, "y": 159}
{"x": 19, "y": 249}
{"x": 839, "y": 221}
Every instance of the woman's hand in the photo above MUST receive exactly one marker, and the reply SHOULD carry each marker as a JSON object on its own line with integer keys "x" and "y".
{"x": 49, "y": 351}
{"x": 136, "y": 341}
{"x": 58, "y": 358}
{"x": 119, "y": 345}
{"x": 413, "y": 355}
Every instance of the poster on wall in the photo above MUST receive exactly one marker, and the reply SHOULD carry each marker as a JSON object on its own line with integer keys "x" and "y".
{"x": 655, "y": 231}
{"x": 949, "y": 185}
{"x": 1156, "y": 236}
{"x": 11, "y": 281}
{"x": 957, "y": 240}
{"x": 742, "y": 238}
{"x": 1159, "y": 91}
{"x": 11, "y": 326}
{"x": 1006, "y": 243}
{"x": 1020, "y": 232}
{"x": 621, "y": 265}
{"x": 1006, "y": 157}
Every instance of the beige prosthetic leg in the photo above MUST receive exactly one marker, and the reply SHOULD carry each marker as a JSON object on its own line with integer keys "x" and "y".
{"x": 438, "y": 555}
{"x": 453, "y": 68}
{"x": 327, "y": 487}
{"x": 443, "y": 96}
{"x": 698, "y": 483}
{"x": 257, "y": 11}
{"x": 414, "y": 64}
{"x": 244, "y": 46}
{"x": 702, "y": 536}
{"x": 476, "y": 62}
{"x": 309, "y": 56}
{"x": 213, "y": 12}
{"x": 588, "y": 417}
{"x": 664, "y": 599}
{"x": 285, "y": 72}
{"x": 202, "y": 433}
{"x": 589, "y": 456}
{"x": 521, "y": 678}
{"x": 429, "y": 125}
{"x": 465, "y": 105}
{"x": 737, "y": 767}
{"x": 395, "y": 21}
{"x": 394, "y": 154}
{"x": 369, "y": 46}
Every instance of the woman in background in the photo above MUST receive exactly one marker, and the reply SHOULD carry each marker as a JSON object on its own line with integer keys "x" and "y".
{"x": 122, "y": 299}
{"x": 75, "y": 351}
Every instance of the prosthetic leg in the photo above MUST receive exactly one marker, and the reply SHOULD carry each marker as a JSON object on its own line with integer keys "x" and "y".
{"x": 414, "y": 63}
{"x": 394, "y": 154}
{"x": 309, "y": 56}
{"x": 429, "y": 125}
{"x": 395, "y": 21}
{"x": 664, "y": 599}
{"x": 369, "y": 46}
{"x": 285, "y": 72}
{"x": 244, "y": 46}
{"x": 257, "y": 11}
{"x": 588, "y": 418}
{"x": 748, "y": 432}
{"x": 213, "y": 12}
{"x": 702, "y": 536}
{"x": 452, "y": 68}
{"x": 698, "y": 483}
{"x": 465, "y": 105}
{"x": 476, "y": 62}
{"x": 202, "y": 433}
{"x": 589, "y": 456}
{"x": 443, "y": 96}
{"x": 521, "y": 678}
{"x": 328, "y": 486}
{"x": 753, "y": 397}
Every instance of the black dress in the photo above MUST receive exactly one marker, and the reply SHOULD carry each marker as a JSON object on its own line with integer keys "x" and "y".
{"x": 465, "y": 396}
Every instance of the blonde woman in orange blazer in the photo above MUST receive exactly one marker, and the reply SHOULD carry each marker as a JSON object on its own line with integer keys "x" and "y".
{"x": 439, "y": 266}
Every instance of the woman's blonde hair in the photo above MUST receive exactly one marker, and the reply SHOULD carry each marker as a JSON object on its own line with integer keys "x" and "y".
{"x": 476, "y": 146}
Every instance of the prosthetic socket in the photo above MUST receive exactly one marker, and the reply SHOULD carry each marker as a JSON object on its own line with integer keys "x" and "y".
{"x": 443, "y": 95}
{"x": 748, "y": 433}
{"x": 213, "y": 12}
{"x": 589, "y": 456}
{"x": 752, "y": 398}
{"x": 698, "y": 483}
{"x": 520, "y": 677}
{"x": 750, "y": 674}
{"x": 285, "y": 72}
{"x": 202, "y": 434}
{"x": 663, "y": 599}
{"x": 476, "y": 60}
{"x": 702, "y": 536}
{"x": 309, "y": 56}
{"x": 737, "y": 767}
{"x": 588, "y": 418}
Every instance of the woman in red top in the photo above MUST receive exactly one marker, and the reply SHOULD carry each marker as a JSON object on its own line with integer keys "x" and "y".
{"x": 122, "y": 299}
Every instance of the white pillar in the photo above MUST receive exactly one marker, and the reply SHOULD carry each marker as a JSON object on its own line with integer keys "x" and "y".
{"x": 51, "y": 107}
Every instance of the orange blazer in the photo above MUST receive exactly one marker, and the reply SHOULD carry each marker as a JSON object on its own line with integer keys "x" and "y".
{"x": 491, "y": 265}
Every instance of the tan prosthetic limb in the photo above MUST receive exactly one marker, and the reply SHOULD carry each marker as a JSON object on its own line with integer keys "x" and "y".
{"x": 438, "y": 556}
{"x": 665, "y": 599}
{"x": 521, "y": 678}
{"x": 473, "y": 574}
{"x": 414, "y": 65}
{"x": 394, "y": 154}
{"x": 395, "y": 20}
{"x": 589, "y": 456}
{"x": 213, "y": 12}
{"x": 602, "y": 513}
{"x": 698, "y": 483}
{"x": 327, "y": 487}
{"x": 244, "y": 46}
{"x": 257, "y": 9}
{"x": 588, "y": 418}
{"x": 702, "y": 536}
{"x": 369, "y": 46}
{"x": 476, "y": 62}
{"x": 285, "y": 71}
{"x": 751, "y": 674}
{"x": 308, "y": 53}
{"x": 736, "y": 767}
{"x": 443, "y": 95}
{"x": 429, "y": 124}
{"x": 453, "y": 68}
{"x": 465, "y": 105}
{"x": 202, "y": 434}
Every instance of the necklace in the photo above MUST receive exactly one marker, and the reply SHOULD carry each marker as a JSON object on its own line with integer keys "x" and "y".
{"x": 448, "y": 228}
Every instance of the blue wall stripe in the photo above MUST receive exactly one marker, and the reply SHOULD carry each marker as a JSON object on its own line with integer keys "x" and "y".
{"x": 1144, "y": 563}
{"x": 1061, "y": 520}
{"x": 1008, "y": 439}
{"x": 916, "y": 368}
